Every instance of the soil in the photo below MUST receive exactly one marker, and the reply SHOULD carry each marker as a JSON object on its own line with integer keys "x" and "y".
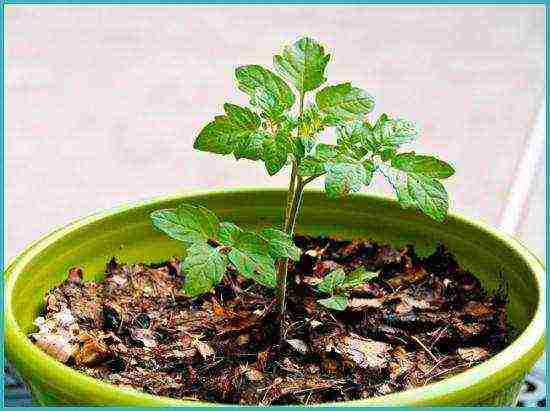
{"x": 418, "y": 321}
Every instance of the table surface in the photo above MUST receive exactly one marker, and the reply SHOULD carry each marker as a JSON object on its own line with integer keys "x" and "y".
{"x": 103, "y": 103}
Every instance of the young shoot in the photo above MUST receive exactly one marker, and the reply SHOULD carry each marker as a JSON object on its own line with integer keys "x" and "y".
{"x": 289, "y": 106}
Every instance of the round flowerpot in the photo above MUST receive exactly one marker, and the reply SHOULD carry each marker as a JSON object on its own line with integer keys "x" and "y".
{"x": 126, "y": 232}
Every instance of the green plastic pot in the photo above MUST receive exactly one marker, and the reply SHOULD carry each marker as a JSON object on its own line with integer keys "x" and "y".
{"x": 127, "y": 233}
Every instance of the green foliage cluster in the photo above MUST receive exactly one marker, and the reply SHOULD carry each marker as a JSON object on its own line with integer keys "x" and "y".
{"x": 281, "y": 126}
{"x": 212, "y": 245}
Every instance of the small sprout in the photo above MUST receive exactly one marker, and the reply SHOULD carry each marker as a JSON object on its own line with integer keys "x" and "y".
{"x": 281, "y": 126}
{"x": 338, "y": 284}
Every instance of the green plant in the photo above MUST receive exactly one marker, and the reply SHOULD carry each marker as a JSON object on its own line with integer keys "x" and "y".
{"x": 269, "y": 131}
{"x": 337, "y": 283}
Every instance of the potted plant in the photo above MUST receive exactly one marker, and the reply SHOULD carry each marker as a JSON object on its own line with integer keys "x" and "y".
{"x": 324, "y": 319}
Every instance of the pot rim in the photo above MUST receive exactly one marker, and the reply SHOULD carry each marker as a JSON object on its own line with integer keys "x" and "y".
{"x": 496, "y": 371}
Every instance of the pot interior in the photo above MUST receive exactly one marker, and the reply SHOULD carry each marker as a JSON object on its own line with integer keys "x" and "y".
{"x": 127, "y": 234}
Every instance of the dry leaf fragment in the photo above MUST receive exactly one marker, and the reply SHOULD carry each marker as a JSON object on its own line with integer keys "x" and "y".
{"x": 366, "y": 353}
{"x": 298, "y": 345}
{"x": 204, "y": 349}
{"x": 251, "y": 373}
{"x": 357, "y": 304}
{"x": 92, "y": 352}
{"x": 473, "y": 354}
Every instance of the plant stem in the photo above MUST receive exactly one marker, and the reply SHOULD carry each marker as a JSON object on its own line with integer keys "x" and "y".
{"x": 290, "y": 194}
{"x": 293, "y": 201}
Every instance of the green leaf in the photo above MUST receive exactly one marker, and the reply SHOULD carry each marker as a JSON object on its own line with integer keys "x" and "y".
{"x": 303, "y": 64}
{"x": 281, "y": 244}
{"x": 315, "y": 164}
{"x": 336, "y": 302}
{"x": 332, "y": 280}
{"x": 311, "y": 122}
{"x": 398, "y": 180}
{"x": 358, "y": 277}
{"x": 251, "y": 146}
{"x": 252, "y": 242}
{"x": 420, "y": 191}
{"x": 429, "y": 195}
{"x": 259, "y": 267}
{"x": 390, "y": 132}
{"x": 355, "y": 138}
{"x": 187, "y": 223}
{"x": 242, "y": 117}
{"x": 268, "y": 104}
{"x": 426, "y": 165}
{"x": 204, "y": 267}
{"x": 250, "y": 256}
{"x": 229, "y": 233}
{"x": 387, "y": 153}
{"x": 344, "y": 101}
{"x": 344, "y": 178}
{"x": 310, "y": 166}
{"x": 275, "y": 153}
{"x": 370, "y": 169}
{"x": 269, "y": 91}
{"x": 402, "y": 131}
{"x": 229, "y": 133}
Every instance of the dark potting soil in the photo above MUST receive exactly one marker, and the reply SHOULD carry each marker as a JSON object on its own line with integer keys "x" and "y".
{"x": 418, "y": 321}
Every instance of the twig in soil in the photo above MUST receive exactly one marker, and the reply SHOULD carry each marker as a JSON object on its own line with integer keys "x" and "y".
{"x": 434, "y": 358}
{"x": 427, "y": 375}
{"x": 438, "y": 336}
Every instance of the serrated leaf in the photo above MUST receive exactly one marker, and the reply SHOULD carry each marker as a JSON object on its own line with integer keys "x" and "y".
{"x": 390, "y": 132}
{"x": 315, "y": 164}
{"x": 332, "y": 280}
{"x": 252, "y": 242}
{"x": 204, "y": 267}
{"x": 355, "y": 138}
{"x": 428, "y": 166}
{"x": 429, "y": 195}
{"x": 267, "y": 103}
{"x": 275, "y": 153}
{"x": 281, "y": 244}
{"x": 336, "y": 302}
{"x": 416, "y": 190}
{"x": 311, "y": 122}
{"x": 229, "y": 233}
{"x": 228, "y": 133}
{"x": 310, "y": 166}
{"x": 358, "y": 277}
{"x": 251, "y": 146}
{"x": 303, "y": 64}
{"x": 242, "y": 117}
{"x": 344, "y": 178}
{"x": 344, "y": 101}
{"x": 268, "y": 90}
{"x": 387, "y": 153}
{"x": 219, "y": 136}
{"x": 250, "y": 256}
{"x": 259, "y": 267}
{"x": 187, "y": 223}
{"x": 402, "y": 131}
{"x": 398, "y": 180}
